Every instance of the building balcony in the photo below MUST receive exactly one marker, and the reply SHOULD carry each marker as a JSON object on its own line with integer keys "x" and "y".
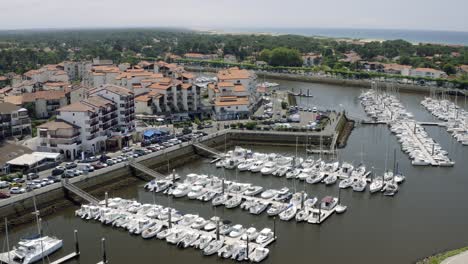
{"x": 64, "y": 141}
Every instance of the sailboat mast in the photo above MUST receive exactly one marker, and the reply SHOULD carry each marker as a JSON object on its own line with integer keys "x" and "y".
{"x": 7, "y": 240}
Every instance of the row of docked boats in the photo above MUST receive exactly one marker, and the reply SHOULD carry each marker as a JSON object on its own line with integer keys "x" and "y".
{"x": 455, "y": 117}
{"x": 422, "y": 149}
{"x": 211, "y": 236}
{"x": 309, "y": 170}
{"x": 255, "y": 199}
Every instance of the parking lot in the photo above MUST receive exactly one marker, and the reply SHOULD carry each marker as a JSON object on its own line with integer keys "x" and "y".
{"x": 72, "y": 169}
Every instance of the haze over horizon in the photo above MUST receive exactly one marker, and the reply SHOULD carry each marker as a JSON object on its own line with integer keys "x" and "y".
{"x": 218, "y": 14}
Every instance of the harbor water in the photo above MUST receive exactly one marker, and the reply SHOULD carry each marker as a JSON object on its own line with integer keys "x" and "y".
{"x": 426, "y": 216}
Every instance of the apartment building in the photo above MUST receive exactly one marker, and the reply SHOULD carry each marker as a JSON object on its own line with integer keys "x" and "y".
{"x": 48, "y": 73}
{"x": 239, "y": 76}
{"x": 59, "y": 136}
{"x": 14, "y": 121}
{"x": 43, "y": 103}
{"x": 87, "y": 125}
{"x": 233, "y": 95}
{"x": 124, "y": 101}
{"x": 428, "y": 72}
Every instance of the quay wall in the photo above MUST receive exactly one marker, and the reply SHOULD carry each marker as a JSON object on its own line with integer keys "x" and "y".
{"x": 278, "y": 138}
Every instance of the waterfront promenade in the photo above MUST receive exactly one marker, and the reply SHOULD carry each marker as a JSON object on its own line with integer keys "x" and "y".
{"x": 461, "y": 258}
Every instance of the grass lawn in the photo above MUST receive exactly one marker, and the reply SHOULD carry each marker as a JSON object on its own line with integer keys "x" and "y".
{"x": 436, "y": 259}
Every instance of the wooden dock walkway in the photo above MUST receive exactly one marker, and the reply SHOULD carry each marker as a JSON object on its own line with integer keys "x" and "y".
{"x": 66, "y": 258}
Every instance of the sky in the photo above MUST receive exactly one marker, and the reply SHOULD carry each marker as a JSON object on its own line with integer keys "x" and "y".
{"x": 218, "y": 14}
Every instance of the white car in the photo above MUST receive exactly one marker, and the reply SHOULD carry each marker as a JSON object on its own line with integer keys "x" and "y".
{"x": 314, "y": 109}
{"x": 17, "y": 190}
{"x": 4, "y": 184}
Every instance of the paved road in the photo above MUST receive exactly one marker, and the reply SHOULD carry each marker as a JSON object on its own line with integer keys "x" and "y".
{"x": 461, "y": 258}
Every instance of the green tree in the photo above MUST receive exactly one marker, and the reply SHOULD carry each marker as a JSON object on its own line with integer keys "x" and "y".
{"x": 285, "y": 57}
{"x": 265, "y": 55}
{"x": 449, "y": 69}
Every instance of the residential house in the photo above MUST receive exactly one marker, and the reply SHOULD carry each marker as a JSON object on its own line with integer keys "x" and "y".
{"x": 311, "y": 59}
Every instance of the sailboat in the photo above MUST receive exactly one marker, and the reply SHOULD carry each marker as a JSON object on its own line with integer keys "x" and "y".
{"x": 31, "y": 249}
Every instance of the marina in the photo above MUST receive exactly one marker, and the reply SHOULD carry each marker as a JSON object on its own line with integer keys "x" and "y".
{"x": 312, "y": 171}
{"x": 455, "y": 117}
{"x": 213, "y": 236}
{"x": 232, "y": 194}
{"x": 386, "y": 108}
{"x": 357, "y": 229}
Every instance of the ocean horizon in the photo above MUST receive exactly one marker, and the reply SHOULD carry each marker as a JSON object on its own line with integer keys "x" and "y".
{"x": 414, "y": 36}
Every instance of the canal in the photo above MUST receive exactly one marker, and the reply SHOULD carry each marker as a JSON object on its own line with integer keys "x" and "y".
{"x": 427, "y": 215}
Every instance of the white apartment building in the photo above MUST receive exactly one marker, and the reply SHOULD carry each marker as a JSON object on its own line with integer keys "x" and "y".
{"x": 125, "y": 105}
{"x": 239, "y": 76}
{"x": 86, "y": 125}
{"x": 428, "y": 72}
{"x": 233, "y": 95}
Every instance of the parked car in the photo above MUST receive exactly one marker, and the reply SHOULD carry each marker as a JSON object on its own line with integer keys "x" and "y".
{"x": 140, "y": 152}
{"x": 17, "y": 190}
{"x": 4, "y": 184}
{"x": 70, "y": 165}
{"x": 32, "y": 176}
{"x": 85, "y": 167}
{"x": 99, "y": 165}
{"x": 126, "y": 149}
{"x": 15, "y": 184}
{"x": 4, "y": 195}
{"x": 18, "y": 180}
{"x": 69, "y": 174}
{"x": 53, "y": 179}
{"x": 56, "y": 172}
